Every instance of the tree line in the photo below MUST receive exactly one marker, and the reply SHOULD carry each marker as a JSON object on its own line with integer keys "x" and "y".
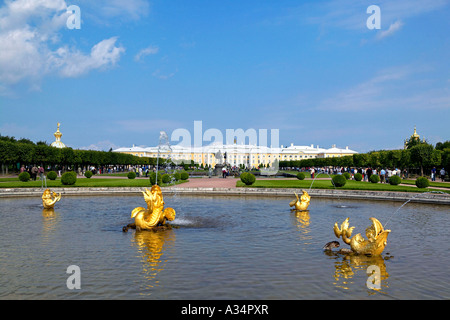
{"x": 14, "y": 153}
{"x": 420, "y": 156}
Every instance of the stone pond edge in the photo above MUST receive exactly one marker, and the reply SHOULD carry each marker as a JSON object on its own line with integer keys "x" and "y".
{"x": 433, "y": 198}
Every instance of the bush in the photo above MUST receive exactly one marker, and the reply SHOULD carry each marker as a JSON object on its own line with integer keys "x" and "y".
{"x": 395, "y": 180}
{"x": 153, "y": 178}
{"x": 300, "y": 176}
{"x": 131, "y": 175}
{"x": 88, "y": 174}
{"x": 69, "y": 178}
{"x": 358, "y": 176}
{"x": 339, "y": 180}
{"x": 24, "y": 176}
{"x": 52, "y": 175}
{"x": 177, "y": 176}
{"x": 184, "y": 175}
{"x": 166, "y": 178}
{"x": 247, "y": 178}
{"x": 374, "y": 178}
{"x": 347, "y": 175}
{"x": 422, "y": 182}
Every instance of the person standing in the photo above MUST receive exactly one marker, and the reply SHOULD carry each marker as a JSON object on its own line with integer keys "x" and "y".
{"x": 382, "y": 175}
{"x": 433, "y": 174}
{"x": 442, "y": 172}
{"x": 41, "y": 173}
{"x": 34, "y": 172}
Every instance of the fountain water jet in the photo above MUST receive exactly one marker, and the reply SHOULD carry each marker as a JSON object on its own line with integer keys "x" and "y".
{"x": 339, "y": 198}
{"x": 407, "y": 201}
{"x": 163, "y": 145}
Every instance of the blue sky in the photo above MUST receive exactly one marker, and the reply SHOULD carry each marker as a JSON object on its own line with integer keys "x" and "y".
{"x": 311, "y": 69}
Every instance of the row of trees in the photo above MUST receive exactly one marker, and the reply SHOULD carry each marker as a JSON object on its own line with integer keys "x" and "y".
{"x": 421, "y": 156}
{"x": 14, "y": 153}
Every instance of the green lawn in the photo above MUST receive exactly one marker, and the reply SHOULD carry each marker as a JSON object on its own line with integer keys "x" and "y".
{"x": 88, "y": 183}
{"x": 432, "y": 183}
{"x": 326, "y": 184}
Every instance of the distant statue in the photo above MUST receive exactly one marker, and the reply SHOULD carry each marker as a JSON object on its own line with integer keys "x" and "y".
{"x": 302, "y": 203}
{"x": 155, "y": 215}
{"x": 376, "y": 238}
{"x": 49, "y": 198}
{"x": 219, "y": 157}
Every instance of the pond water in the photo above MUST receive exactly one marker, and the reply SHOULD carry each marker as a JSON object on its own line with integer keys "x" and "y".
{"x": 222, "y": 248}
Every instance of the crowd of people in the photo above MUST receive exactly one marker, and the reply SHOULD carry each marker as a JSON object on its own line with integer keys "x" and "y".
{"x": 383, "y": 173}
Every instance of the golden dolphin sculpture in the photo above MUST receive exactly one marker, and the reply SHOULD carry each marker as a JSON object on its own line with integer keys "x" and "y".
{"x": 302, "y": 203}
{"x": 376, "y": 237}
{"x": 155, "y": 214}
{"x": 49, "y": 199}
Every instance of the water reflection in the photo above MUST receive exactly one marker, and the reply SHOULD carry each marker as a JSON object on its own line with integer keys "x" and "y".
{"x": 348, "y": 265}
{"x": 302, "y": 218}
{"x": 50, "y": 222}
{"x": 152, "y": 246}
{"x": 302, "y": 222}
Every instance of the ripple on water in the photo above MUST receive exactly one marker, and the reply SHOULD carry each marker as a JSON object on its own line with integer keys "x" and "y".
{"x": 221, "y": 248}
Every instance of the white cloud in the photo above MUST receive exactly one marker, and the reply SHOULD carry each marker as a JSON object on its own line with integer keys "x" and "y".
{"x": 401, "y": 88}
{"x": 145, "y": 52}
{"x": 158, "y": 74}
{"x": 74, "y": 63}
{"x": 109, "y": 12}
{"x": 105, "y": 145}
{"x": 392, "y": 29}
{"x": 352, "y": 15}
{"x": 150, "y": 125}
{"x": 30, "y": 32}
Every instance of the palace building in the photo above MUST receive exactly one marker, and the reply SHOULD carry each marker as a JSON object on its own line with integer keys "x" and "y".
{"x": 236, "y": 155}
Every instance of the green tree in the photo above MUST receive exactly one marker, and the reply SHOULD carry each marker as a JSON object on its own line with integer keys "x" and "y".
{"x": 424, "y": 155}
{"x": 443, "y": 145}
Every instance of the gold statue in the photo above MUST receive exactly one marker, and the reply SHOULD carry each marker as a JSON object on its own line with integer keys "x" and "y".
{"x": 376, "y": 238}
{"x": 49, "y": 199}
{"x": 301, "y": 204}
{"x": 155, "y": 215}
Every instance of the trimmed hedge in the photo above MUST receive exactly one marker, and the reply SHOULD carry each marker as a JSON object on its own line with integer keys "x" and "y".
{"x": 24, "y": 176}
{"x": 300, "y": 176}
{"x": 184, "y": 175}
{"x": 152, "y": 178}
{"x": 69, "y": 178}
{"x": 52, "y": 175}
{"x": 338, "y": 181}
{"x": 347, "y": 175}
{"x": 247, "y": 178}
{"x": 177, "y": 176}
{"x": 358, "y": 176}
{"x": 395, "y": 180}
{"x": 374, "y": 178}
{"x": 131, "y": 175}
{"x": 88, "y": 174}
{"x": 166, "y": 178}
{"x": 422, "y": 182}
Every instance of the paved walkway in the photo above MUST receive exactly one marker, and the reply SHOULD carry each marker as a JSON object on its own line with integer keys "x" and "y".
{"x": 214, "y": 182}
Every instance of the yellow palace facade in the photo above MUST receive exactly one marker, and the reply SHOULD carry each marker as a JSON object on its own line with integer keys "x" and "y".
{"x": 236, "y": 155}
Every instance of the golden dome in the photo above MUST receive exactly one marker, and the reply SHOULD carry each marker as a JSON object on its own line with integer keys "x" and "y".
{"x": 415, "y": 135}
{"x": 58, "y": 143}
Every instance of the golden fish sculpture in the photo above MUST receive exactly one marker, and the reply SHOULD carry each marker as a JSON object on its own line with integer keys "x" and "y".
{"x": 155, "y": 215}
{"x": 376, "y": 238}
{"x": 302, "y": 203}
{"x": 49, "y": 199}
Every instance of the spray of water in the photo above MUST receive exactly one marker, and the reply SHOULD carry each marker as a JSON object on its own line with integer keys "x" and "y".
{"x": 315, "y": 177}
{"x": 164, "y": 145}
{"x": 409, "y": 200}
